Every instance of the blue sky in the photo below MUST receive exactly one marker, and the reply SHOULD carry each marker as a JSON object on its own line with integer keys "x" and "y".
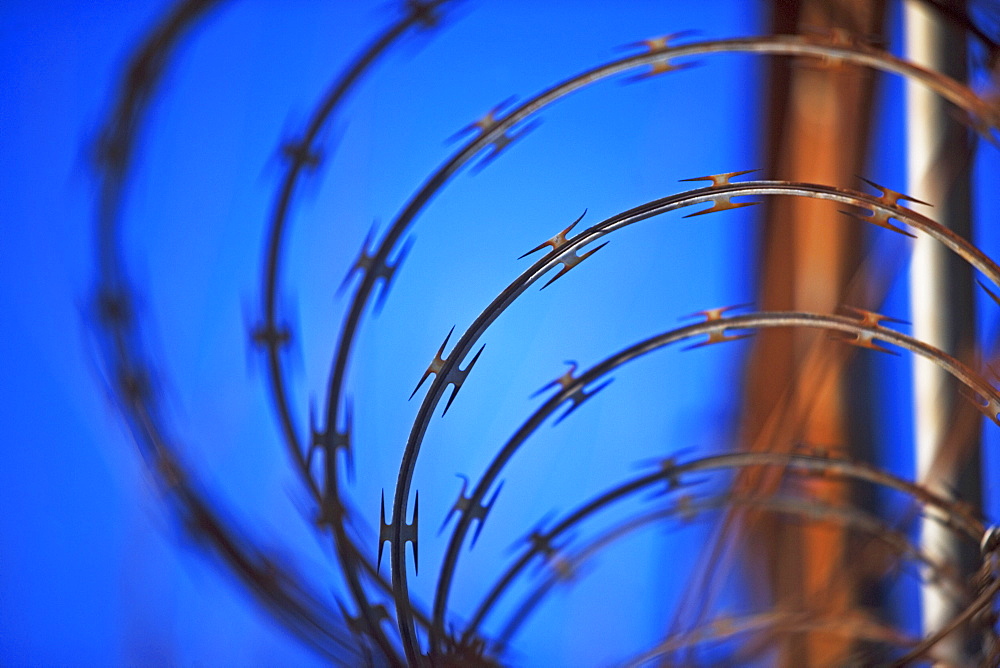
{"x": 94, "y": 569}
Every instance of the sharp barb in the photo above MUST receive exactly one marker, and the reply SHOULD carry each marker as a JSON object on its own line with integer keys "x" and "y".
{"x": 451, "y": 399}
{"x": 363, "y": 260}
{"x": 300, "y": 154}
{"x": 576, "y": 222}
{"x": 457, "y": 384}
{"x": 381, "y": 537}
{"x": 721, "y": 338}
{"x": 486, "y": 160}
{"x": 348, "y": 431}
{"x": 347, "y": 280}
{"x": 493, "y": 499}
{"x": 383, "y": 293}
{"x": 461, "y": 133}
{"x": 446, "y": 339}
{"x": 422, "y": 379}
{"x": 544, "y": 389}
{"x": 726, "y": 205}
{"x": 893, "y": 196}
{"x": 657, "y": 43}
{"x": 580, "y": 399}
{"x": 872, "y": 318}
{"x": 415, "y": 525}
{"x": 475, "y": 535}
{"x": 572, "y": 407}
{"x": 662, "y": 463}
{"x": 645, "y": 463}
{"x": 458, "y": 504}
{"x": 446, "y": 520}
{"x": 370, "y": 236}
{"x": 599, "y": 387}
{"x": 559, "y": 240}
{"x": 563, "y": 381}
{"x": 863, "y": 342}
{"x": 251, "y": 344}
{"x": 737, "y": 337}
{"x": 894, "y": 228}
{"x": 501, "y": 143}
{"x": 388, "y": 274}
{"x": 485, "y": 510}
{"x": 698, "y": 481}
{"x": 314, "y": 431}
{"x": 474, "y": 359}
{"x": 403, "y": 252}
{"x": 436, "y": 364}
{"x": 503, "y": 105}
{"x": 720, "y": 179}
{"x": 530, "y": 126}
{"x": 534, "y": 250}
{"x": 992, "y": 294}
{"x": 556, "y": 277}
{"x": 715, "y": 313}
{"x": 681, "y": 34}
{"x": 484, "y": 123}
{"x": 657, "y": 71}
{"x": 570, "y": 262}
{"x": 875, "y": 219}
{"x": 593, "y": 250}
{"x": 870, "y": 182}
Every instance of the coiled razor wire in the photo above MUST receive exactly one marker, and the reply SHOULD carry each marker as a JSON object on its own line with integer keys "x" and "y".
{"x": 336, "y": 633}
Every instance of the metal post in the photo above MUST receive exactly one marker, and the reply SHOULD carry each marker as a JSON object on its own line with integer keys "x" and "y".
{"x": 941, "y": 298}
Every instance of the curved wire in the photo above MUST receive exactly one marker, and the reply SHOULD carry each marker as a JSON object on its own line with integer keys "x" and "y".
{"x": 850, "y": 518}
{"x": 672, "y": 474}
{"x": 982, "y": 115}
{"x": 133, "y": 378}
{"x": 727, "y": 627}
{"x": 572, "y": 392}
{"x": 448, "y": 371}
{"x": 274, "y": 336}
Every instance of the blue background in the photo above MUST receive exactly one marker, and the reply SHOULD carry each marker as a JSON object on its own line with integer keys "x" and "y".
{"x": 93, "y": 570}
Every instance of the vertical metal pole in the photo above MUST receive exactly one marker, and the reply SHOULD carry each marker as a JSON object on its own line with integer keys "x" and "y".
{"x": 941, "y": 298}
{"x": 817, "y": 130}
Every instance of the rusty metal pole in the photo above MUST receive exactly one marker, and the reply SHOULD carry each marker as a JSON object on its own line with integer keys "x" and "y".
{"x": 818, "y": 119}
